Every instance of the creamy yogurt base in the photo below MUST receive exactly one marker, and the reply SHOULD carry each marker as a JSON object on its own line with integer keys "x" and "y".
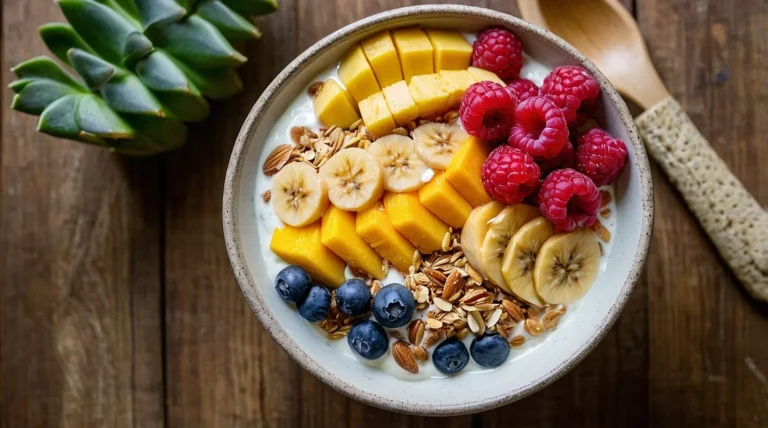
{"x": 301, "y": 113}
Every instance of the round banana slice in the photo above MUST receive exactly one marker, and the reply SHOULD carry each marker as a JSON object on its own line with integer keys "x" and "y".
{"x": 520, "y": 256}
{"x": 500, "y": 231}
{"x": 299, "y": 195}
{"x": 354, "y": 178}
{"x": 566, "y": 266}
{"x": 437, "y": 142}
{"x": 474, "y": 231}
{"x": 402, "y": 167}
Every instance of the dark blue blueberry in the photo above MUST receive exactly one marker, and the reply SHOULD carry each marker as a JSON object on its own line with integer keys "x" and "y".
{"x": 393, "y": 306}
{"x": 368, "y": 339}
{"x": 451, "y": 356}
{"x": 292, "y": 284}
{"x": 353, "y": 297}
{"x": 316, "y": 305}
{"x": 489, "y": 350}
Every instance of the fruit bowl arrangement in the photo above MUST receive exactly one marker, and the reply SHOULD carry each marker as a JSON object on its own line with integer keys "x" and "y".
{"x": 430, "y": 202}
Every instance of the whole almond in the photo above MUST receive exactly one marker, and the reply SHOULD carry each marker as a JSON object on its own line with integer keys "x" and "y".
{"x": 513, "y": 310}
{"x": 453, "y": 284}
{"x": 404, "y": 357}
{"x": 433, "y": 338}
{"x": 551, "y": 319}
{"x": 436, "y": 276}
{"x": 534, "y": 327}
{"x": 517, "y": 341}
{"x": 420, "y": 352}
{"x": 277, "y": 159}
{"x": 416, "y": 332}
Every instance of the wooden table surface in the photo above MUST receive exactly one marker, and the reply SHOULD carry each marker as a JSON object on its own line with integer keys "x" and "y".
{"x": 118, "y": 307}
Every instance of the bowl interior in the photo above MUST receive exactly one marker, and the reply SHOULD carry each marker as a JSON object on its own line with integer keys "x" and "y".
{"x": 578, "y": 332}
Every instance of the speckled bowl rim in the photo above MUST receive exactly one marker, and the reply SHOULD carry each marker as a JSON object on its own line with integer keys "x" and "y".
{"x": 247, "y": 285}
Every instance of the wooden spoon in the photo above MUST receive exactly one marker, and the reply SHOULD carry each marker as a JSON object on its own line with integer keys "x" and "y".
{"x": 732, "y": 218}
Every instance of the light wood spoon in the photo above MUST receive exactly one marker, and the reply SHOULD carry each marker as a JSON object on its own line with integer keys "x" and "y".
{"x": 732, "y": 218}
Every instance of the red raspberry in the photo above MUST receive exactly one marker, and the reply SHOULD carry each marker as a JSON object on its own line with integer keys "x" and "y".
{"x": 568, "y": 104}
{"x": 524, "y": 89}
{"x": 571, "y": 80}
{"x": 540, "y": 128}
{"x": 569, "y": 199}
{"x": 499, "y": 51}
{"x": 488, "y": 110}
{"x": 510, "y": 175}
{"x": 564, "y": 159}
{"x": 600, "y": 156}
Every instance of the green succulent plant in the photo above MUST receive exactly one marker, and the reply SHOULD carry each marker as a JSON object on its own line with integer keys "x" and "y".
{"x": 145, "y": 67}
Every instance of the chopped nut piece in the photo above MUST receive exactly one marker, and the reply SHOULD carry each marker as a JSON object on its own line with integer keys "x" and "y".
{"x": 420, "y": 352}
{"x": 602, "y": 232}
{"x": 267, "y": 196}
{"x": 514, "y": 311}
{"x": 605, "y": 198}
{"x": 494, "y": 317}
{"x": 416, "y": 332}
{"x": 551, "y": 319}
{"x": 433, "y": 338}
{"x": 442, "y": 304}
{"x": 534, "y": 327}
{"x": 605, "y": 213}
{"x": 314, "y": 89}
{"x": 517, "y": 341}
{"x": 277, "y": 159}
{"x": 434, "y": 324}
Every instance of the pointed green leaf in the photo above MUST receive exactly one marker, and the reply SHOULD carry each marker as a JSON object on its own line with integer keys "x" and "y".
{"x": 188, "y": 4}
{"x": 252, "y": 7}
{"x": 43, "y": 67}
{"x": 199, "y": 44}
{"x": 159, "y": 12}
{"x": 125, "y": 8}
{"x": 165, "y": 133}
{"x": 94, "y": 70}
{"x": 17, "y": 85}
{"x": 60, "y": 38}
{"x": 233, "y": 26}
{"x": 58, "y": 120}
{"x": 216, "y": 84}
{"x": 38, "y": 95}
{"x": 94, "y": 116}
{"x": 137, "y": 46}
{"x": 169, "y": 84}
{"x": 126, "y": 94}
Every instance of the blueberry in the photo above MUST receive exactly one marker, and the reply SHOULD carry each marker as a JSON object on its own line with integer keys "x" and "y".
{"x": 292, "y": 283}
{"x": 368, "y": 339}
{"x": 451, "y": 356}
{"x": 393, "y": 306}
{"x": 316, "y": 304}
{"x": 353, "y": 297}
{"x": 489, "y": 350}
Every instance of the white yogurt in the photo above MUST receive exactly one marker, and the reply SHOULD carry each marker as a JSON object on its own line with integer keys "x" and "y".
{"x": 301, "y": 113}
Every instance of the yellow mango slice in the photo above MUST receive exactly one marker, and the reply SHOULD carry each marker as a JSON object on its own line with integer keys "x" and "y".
{"x": 376, "y": 115}
{"x": 302, "y": 246}
{"x": 430, "y": 94}
{"x": 415, "y": 222}
{"x": 456, "y": 82}
{"x": 382, "y": 55}
{"x": 357, "y": 75}
{"x": 464, "y": 171}
{"x": 401, "y": 104}
{"x": 452, "y": 51}
{"x": 482, "y": 75}
{"x": 444, "y": 201}
{"x": 415, "y": 52}
{"x": 334, "y": 105}
{"x": 338, "y": 234}
{"x": 374, "y": 226}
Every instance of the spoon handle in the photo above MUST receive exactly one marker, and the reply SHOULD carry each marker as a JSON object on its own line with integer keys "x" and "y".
{"x": 732, "y": 218}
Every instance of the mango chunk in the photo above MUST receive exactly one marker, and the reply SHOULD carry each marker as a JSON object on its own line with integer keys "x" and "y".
{"x": 334, "y": 105}
{"x": 338, "y": 234}
{"x": 401, "y": 104}
{"x": 376, "y": 115}
{"x": 456, "y": 82}
{"x": 444, "y": 201}
{"x": 415, "y": 222}
{"x": 302, "y": 246}
{"x": 430, "y": 94}
{"x": 357, "y": 75}
{"x": 415, "y": 52}
{"x": 464, "y": 171}
{"x": 452, "y": 51}
{"x": 482, "y": 75}
{"x": 382, "y": 55}
{"x": 374, "y": 226}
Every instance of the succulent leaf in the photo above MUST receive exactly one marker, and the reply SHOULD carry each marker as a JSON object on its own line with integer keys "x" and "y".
{"x": 39, "y": 94}
{"x": 94, "y": 116}
{"x": 159, "y": 12}
{"x": 124, "y": 93}
{"x": 216, "y": 84}
{"x": 252, "y": 7}
{"x": 60, "y": 38}
{"x": 231, "y": 25}
{"x": 199, "y": 44}
{"x": 136, "y": 47}
{"x": 58, "y": 120}
{"x": 94, "y": 70}
{"x": 43, "y": 67}
{"x": 17, "y": 85}
{"x": 169, "y": 84}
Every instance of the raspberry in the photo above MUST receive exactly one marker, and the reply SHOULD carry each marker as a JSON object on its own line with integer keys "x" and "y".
{"x": 524, "y": 89}
{"x": 568, "y": 104}
{"x": 499, "y": 51}
{"x": 571, "y": 80}
{"x": 564, "y": 159}
{"x": 510, "y": 175}
{"x": 540, "y": 128}
{"x": 569, "y": 199}
{"x": 600, "y": 156}
{"x": 488, "y": 110}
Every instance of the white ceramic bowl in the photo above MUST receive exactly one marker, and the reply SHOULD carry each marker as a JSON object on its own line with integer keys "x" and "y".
{"x": 563, "y": 348}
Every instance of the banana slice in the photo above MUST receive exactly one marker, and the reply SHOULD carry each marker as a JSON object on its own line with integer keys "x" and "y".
{"x": 520, "y": 256}
{"x": 474, "y": 231}
{"x": 437, "y": 142}
{"x": 354, "y": 178}
{"x": 566, "y": 266}
{"x": 500, "y": 231}
{"x": 402, "y": 167}
{"x": 299, "y": 195}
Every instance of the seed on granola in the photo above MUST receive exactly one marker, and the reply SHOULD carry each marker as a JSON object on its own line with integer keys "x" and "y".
{"x": 420, "y": 352}
{"x": 446, "y": 242}
{"x": 605, "y": 198}
{"x": 605, "y": 213}
{"x": 534, "y": 327}
{"x": 517, "y": 341}
{"x": 551, "y": 319}
{"x": 266, "y": 196}
{"x": 337, "y": 335}
{"x": 602, "y": 232}
{"x": 494, "y": 317}
{"x": 513, "y": 310}
{"x": 314, "y": 89}
{"x": 404, "y": 357}
{"x": 356, "y": 124}
{"x": 434, "y": 324}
